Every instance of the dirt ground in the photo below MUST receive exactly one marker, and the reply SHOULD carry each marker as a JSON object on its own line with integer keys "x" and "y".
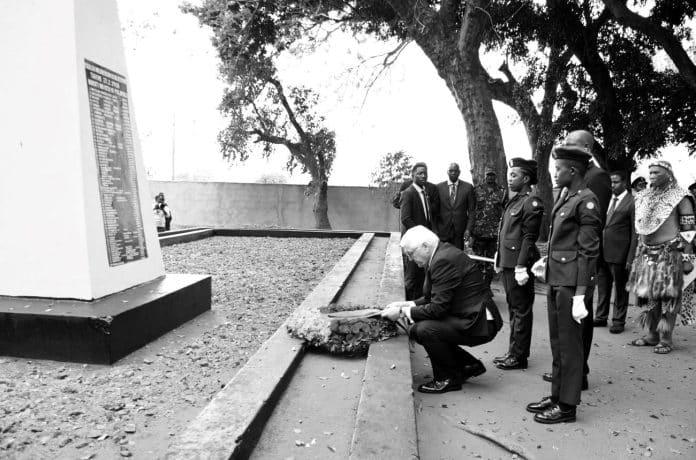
{"x": 639, "y": 404}
{"x": 133, "y": 408}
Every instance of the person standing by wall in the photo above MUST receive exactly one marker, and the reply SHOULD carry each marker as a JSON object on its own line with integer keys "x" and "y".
{"x": 490, "y": 201}
{"x": 516, "y": 253}
{"x": 167, "y": 211}
{"x": 456, "y": 214}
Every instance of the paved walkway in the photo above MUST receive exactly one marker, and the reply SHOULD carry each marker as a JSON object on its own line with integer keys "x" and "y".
{"x": 639, "y": 404}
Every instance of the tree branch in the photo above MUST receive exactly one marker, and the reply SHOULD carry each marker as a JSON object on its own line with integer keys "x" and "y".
{"x": 663, "y": 36}
{"x": 288, "y": 109}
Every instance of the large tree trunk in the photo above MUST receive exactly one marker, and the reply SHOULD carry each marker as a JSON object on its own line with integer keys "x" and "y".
{"x": 321, "y": 205}
{"x": 454, "y": 51}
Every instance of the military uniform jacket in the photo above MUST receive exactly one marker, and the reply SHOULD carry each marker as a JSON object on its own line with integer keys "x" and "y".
{"x": 576, "y": 227}
{"x": 519, "y": 230}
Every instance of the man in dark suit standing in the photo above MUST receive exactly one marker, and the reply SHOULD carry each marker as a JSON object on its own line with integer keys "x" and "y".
{"x": 619, "y": 244}
{"x": 418, "y": 202}
{"x": 456, "y": 212}
{"x": 457, "y": 309}
{"x": 573, "y": 249}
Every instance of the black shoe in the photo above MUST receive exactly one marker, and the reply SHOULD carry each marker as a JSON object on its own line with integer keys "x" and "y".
{"x": 547, "y": 377}
{"x": 555, "y": 415}
{"x": 499, "y": 359}
{"x": 599, "y": 323}
{"x": 541, "y": 406}
{"x": 472, "y": 370}
{"x": 585, "y": 383}
{"x": 616, "y": 328}
{"x": 440, "y": 386}
{"x": 511, "y": 363}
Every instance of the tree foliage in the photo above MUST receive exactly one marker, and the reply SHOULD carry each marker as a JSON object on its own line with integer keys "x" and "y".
{"x": 249, "y": 36}
{"x": 393, "y": 167}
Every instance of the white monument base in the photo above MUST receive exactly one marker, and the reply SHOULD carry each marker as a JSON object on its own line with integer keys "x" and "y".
{"x": 75, "y": 214}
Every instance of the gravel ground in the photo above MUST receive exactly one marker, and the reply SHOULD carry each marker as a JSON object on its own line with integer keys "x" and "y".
{"x": 132, "y": 409}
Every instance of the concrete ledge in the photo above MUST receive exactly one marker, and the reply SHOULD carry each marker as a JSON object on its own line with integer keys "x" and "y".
{"x": 168, "y": 238}
{"x": 104, "y": 330}
{"x": 385, "y": 425}
{"x": 293, "y": 233}
{"x": 230, "y": 425}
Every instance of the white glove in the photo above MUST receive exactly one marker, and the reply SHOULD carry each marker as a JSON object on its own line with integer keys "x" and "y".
{"x": 496, "y": 268}
{"x": 539, "y": 269}
{"x": 521, "y": 275}
{"x": 579, "y": 310}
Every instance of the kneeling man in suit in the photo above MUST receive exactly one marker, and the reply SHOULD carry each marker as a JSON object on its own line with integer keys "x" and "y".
{"x": 457, "y": 309}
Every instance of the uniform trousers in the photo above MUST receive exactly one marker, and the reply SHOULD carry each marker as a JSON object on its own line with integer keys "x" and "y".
{"x": 520, "y": 300}
{"x": 441, "y": 340}
{"x": 565, "y": 335}
{"x": 609, "y": 275}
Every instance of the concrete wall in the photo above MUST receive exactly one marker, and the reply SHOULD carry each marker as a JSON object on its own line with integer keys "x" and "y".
{"x": 230, "y": 205}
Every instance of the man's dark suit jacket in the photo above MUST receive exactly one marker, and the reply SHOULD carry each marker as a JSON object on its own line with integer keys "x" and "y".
{"x": 454, "y": 219}
{"x": 454, "y": 287}
{"x": 619, "y": 233}
{"x": 599, "y": 183}
{"x": 412, "y": 212}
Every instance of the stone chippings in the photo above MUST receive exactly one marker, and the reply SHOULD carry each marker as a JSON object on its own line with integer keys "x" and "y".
{"x": 340, "y": 336}
{"x": 135, "y": 407}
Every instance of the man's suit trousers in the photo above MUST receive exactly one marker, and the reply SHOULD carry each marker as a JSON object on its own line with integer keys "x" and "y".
{"x": 614, "y": 275}
{"x": 565, "y": 335}
{"x": 414, "y": 277}
{"x": 441, "y": 340}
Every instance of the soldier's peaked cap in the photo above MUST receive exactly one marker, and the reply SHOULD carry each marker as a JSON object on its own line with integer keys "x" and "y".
{"x": 576, "y": 146}
{"x": 528, "y": 166}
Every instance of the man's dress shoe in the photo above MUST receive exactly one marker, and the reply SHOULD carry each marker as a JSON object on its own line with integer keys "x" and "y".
{"x": 616, "y": 328}
{"x": 498, "y": 359}
{"x": 440, "y": 386}
{"x": 541, "y": 406}
{"x": 548, "y": 377}
{"x": 512, "y": 362}
{"x": 472, "y": 370}
{"x": 555, "y": 415}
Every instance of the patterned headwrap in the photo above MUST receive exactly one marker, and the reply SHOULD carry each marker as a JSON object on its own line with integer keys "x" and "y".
{"x": 664, "y": 164}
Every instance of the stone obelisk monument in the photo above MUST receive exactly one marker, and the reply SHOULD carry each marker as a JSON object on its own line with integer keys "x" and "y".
{"x": 75, "y": 212}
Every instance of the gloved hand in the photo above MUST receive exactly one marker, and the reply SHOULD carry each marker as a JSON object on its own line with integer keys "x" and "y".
{"x": 539, "y": 269}
{"x": 496, "y": 268}
{"x": 579, "y": 310}
{"x": 521, "y": 275}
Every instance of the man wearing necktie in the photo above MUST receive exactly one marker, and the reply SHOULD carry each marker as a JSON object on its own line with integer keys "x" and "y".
{"x": 457, "y": 309}
{"x": 619, "y": 238}
{"x": 418, "y": 203}
{"x": 455, "y": 216}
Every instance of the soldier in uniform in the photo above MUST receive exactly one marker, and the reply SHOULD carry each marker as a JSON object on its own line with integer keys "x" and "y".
{"x": 490, "y": 201}
{"x": 573, "y": 249}
{"x": 517, "y": 252}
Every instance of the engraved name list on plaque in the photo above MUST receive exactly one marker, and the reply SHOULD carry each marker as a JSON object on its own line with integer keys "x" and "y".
{"x": 115, "y": 155}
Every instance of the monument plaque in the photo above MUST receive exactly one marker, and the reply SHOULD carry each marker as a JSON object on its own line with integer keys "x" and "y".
{"x": 113, "y": 146}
